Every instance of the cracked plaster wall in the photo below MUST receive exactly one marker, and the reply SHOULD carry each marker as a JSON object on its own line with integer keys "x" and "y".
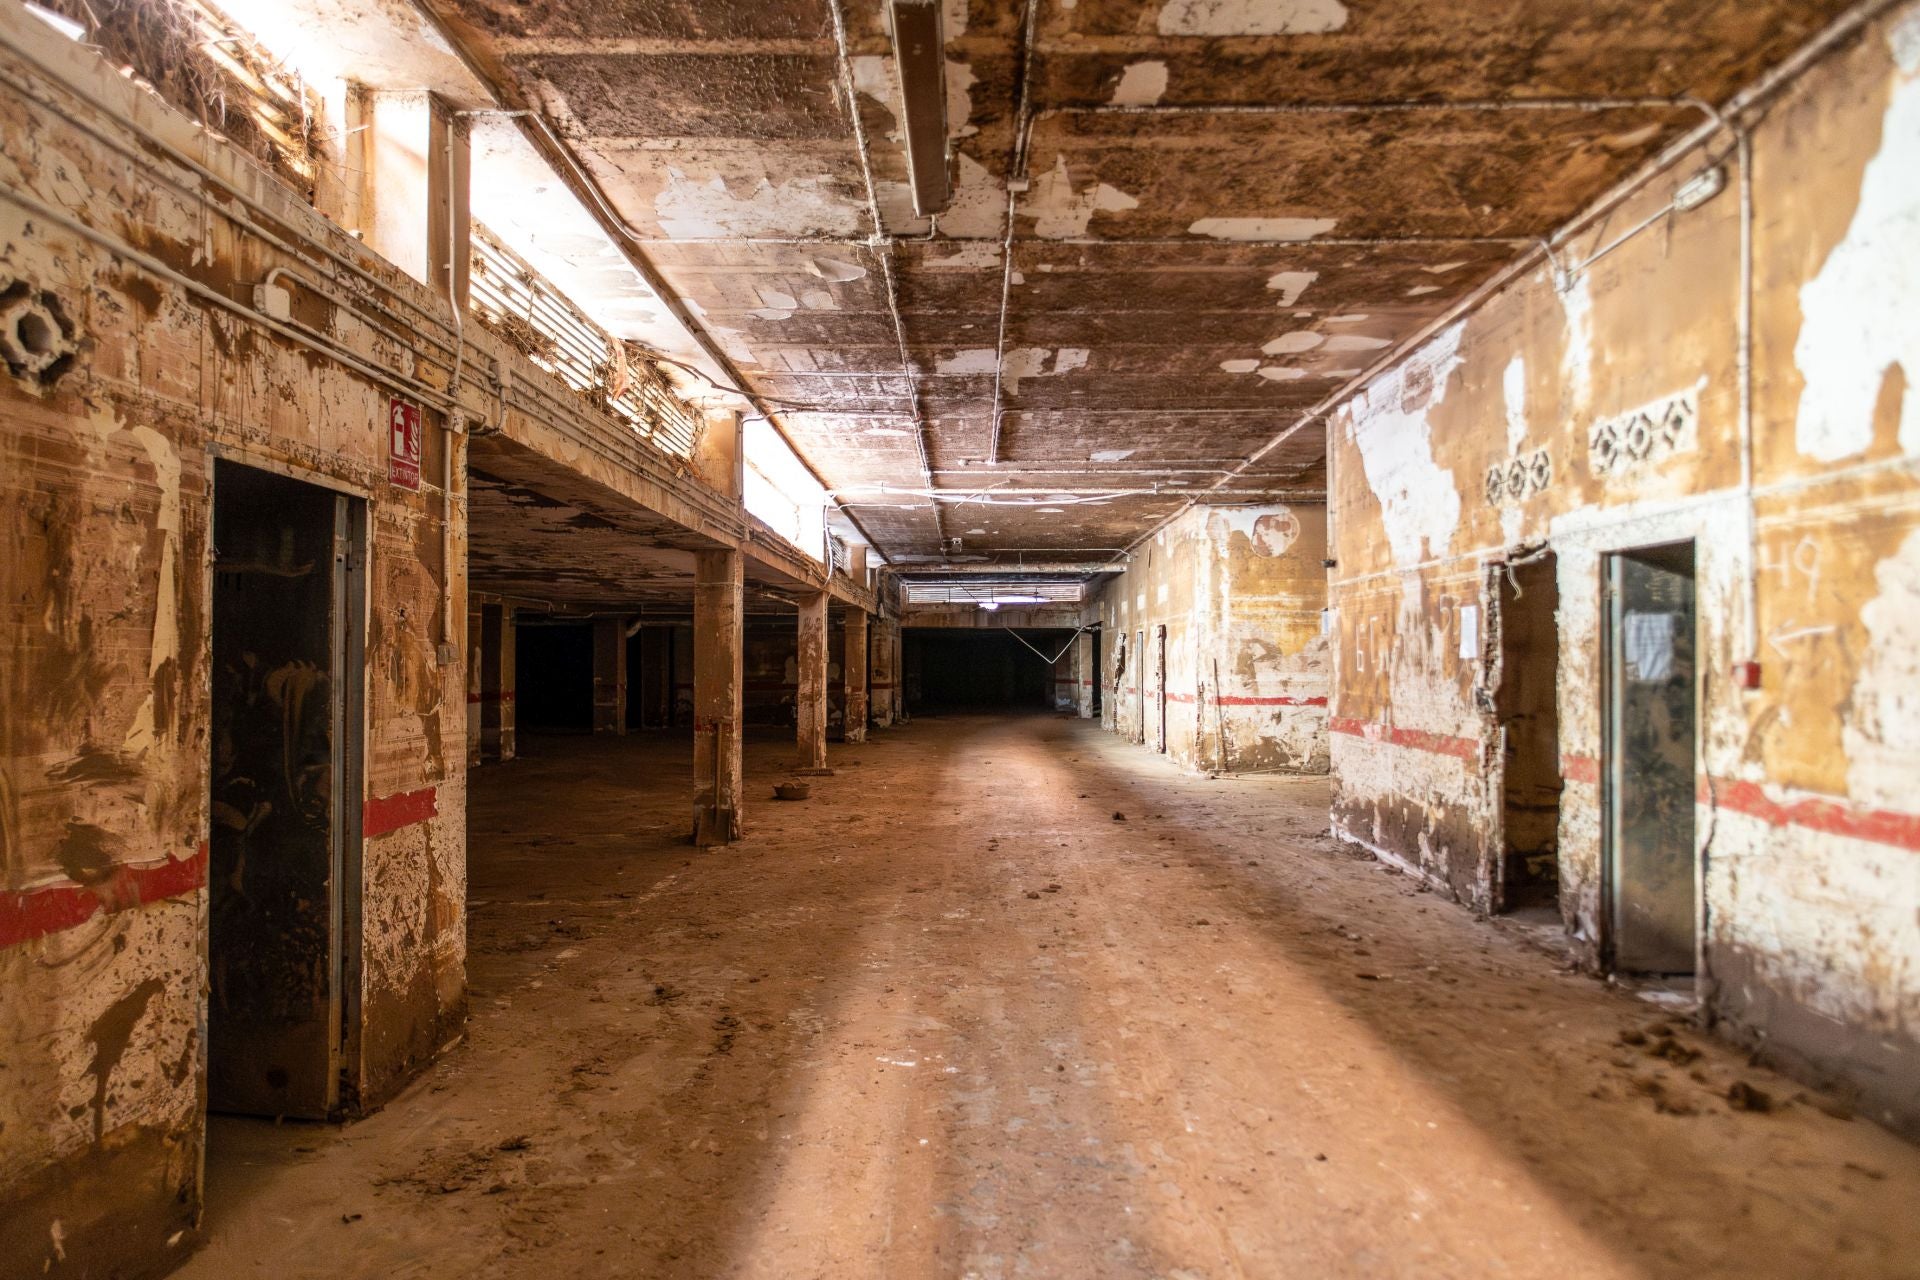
{"x": 105, "y": 719}
{"x": 1807, "y": 829}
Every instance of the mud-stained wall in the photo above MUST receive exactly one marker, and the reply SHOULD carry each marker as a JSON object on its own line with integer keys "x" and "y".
{"x": 1240, "y": 592}
{"x": 1604, "y": 413}
{"x": 106, "y": 471}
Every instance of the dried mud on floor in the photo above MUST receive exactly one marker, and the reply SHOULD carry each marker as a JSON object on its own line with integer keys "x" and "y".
{"x": 1011, "y": 997}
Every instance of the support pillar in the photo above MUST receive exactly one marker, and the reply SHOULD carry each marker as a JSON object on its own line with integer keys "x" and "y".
{"x": 885, "y": 674}
{"x": 718, "y": 679}
{"x": 1083, "y": 674}
{"x": 811, "y": 698}
{"x": 899, "y": 672}
{"x": 853, "y": 675}
{"x": 498, "y": 652}
{"x": 473, "y": 682}
{"x": 609, "y": 675}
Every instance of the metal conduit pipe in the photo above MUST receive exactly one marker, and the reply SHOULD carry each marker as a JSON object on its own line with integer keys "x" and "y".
{"x": 295, "y": 333}
{"x": 1389, "y": 107}
{"x": 1726, "y": 116}
{"x": 884, "y": 253}
{"x": 1017, "y": 170}
{"x": 143, "y": 158}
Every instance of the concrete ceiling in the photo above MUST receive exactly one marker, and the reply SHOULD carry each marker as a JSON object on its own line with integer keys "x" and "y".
{"x": 1183, "y": 285}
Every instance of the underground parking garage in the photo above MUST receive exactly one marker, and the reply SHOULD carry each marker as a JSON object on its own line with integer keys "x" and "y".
{"x": 1163, "y": 638}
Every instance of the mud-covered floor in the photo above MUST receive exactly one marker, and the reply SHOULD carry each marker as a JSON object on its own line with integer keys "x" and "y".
{"x": 1014, "y": 998}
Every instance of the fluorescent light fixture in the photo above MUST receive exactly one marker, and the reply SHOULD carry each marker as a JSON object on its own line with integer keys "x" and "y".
{"x": 920, "y": 53}
{"x": 58, "y": 21}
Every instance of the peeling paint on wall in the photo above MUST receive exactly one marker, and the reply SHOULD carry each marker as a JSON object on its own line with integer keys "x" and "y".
{"x": 1142, "y": 84}
{"x": 1859, "y": 341}
{"x": 694, "y": 207}
{"x": 1059, "y": 211}
{"x": 1251, "y": 17}
{"x": 1291, "y": 284}
{"x": 1388, "y": 424}
{"x": 1882, "y": 736}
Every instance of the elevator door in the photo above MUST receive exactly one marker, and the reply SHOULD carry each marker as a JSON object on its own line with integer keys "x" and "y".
{"x": 281, "y": 780}
{"x": 1650, "y": 761}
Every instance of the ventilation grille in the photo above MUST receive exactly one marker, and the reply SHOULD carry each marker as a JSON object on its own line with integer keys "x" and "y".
{"x": 977, "y": 593}
{"x": 518, "y": 303}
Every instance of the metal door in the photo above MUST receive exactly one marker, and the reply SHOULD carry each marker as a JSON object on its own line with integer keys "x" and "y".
{"x": 1649, "y": 764}
{"x": 285, "y": 790}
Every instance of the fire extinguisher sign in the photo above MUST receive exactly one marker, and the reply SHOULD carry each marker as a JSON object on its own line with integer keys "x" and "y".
{"x": 403, "y": 444}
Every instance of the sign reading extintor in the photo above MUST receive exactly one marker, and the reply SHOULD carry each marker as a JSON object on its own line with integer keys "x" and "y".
{"x": 403, "y": 444}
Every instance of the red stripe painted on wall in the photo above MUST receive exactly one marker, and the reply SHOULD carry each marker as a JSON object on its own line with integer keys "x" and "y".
{"x": 1236, "y": 700}
{"x": 382, "y": 814}
{"x": 1416, "y": 739}
{"x": 1812, "y": 813}
{"x": 36, "y": 913}
{"x": 1580, "y": 769}
{"x": 1830, "y": 817}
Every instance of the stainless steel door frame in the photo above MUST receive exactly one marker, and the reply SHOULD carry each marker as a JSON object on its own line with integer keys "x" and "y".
{"x": 1650, "y": 760}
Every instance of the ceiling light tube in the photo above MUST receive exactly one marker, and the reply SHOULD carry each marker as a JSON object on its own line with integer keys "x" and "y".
{"x": 920, "y": 53}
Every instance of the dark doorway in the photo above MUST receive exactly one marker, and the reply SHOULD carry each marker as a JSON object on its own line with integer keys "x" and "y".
{"x": 650, "y": 666}
{"x": 287, "y": 646}
{"x": 553, "y": 677}
{"x": 983, "y": 670}
{"x": 1529, "y": 723}
{"x": 1649, "y": 763}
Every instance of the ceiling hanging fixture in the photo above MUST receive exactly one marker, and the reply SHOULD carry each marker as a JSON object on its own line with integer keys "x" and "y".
{"x": 920, "y": 54}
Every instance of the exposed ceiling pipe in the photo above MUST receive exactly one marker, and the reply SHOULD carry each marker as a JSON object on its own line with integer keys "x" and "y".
{"x": 1724, "y": 116}
{"x": 534, "y": 127}
{"x": 1390, "y": 107}
{"x": 1016, "y": 178}
{"x": 884, "y": 252}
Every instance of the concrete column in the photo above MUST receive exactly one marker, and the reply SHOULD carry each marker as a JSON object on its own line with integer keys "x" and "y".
{"x": 497, "y": 655}
{"x": 899, "y": 671}
{"x": 810, "y": 699}
{"x": 1083, "y": 674}
{"x": 609, "y": 675}
{"x": 473, "y": 682}
{"x": 408, "y": 159}
{"x": 853, "y": 675}
{"x": 885, "y": 673}
{"x": 719, "y": 675}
